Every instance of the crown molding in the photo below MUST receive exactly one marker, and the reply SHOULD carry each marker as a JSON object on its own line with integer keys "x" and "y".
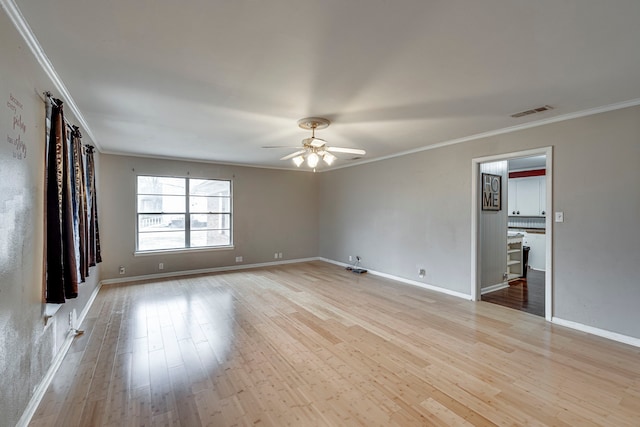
{"x": 212, "y": 162}
{"x": 561, "y": 118}
{"x": 14, "y": 13}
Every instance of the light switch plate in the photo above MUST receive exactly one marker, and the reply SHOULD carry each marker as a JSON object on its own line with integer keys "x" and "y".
{"x": 559, "y": 216}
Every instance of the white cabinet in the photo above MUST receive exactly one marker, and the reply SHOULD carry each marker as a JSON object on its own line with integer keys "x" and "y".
{"x": 512, "y": 195}
{"x": 527, "y": 196}
{"x": 543, "y": 195}
{"x": 537, "y": 250}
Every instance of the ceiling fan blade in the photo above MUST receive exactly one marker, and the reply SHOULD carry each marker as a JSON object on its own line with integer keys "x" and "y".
{"x": 292, "y": 155}
{"x": 279, "y": 146}
{"x": 357, "y": 151}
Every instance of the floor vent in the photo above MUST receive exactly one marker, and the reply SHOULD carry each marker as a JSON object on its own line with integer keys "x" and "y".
{"x": 532, "y": 111}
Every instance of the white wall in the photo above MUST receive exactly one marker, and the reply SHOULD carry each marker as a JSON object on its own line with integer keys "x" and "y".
{"x": 273, "y": 211}
{"x": 26, "y": 346}
{"x": 416, "y": 210}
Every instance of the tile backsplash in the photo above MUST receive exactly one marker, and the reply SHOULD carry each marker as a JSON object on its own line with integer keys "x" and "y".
{"x": 526, "y": 222}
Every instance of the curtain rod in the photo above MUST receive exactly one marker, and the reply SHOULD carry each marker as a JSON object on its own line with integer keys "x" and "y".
{"x": 54, "y": 101}
{"x": 50, "y": 97}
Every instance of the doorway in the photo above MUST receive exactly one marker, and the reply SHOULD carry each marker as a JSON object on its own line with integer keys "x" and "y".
{"x": 511, "y": 245}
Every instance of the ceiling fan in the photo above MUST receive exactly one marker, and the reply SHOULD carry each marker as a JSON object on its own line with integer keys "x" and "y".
{"x": 314, "y": 149}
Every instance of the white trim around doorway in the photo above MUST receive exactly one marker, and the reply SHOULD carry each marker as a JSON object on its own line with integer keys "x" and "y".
{"x": 475, "y": 215}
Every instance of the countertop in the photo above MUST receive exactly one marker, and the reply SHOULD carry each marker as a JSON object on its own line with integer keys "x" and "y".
{"x": 528, "y": 230}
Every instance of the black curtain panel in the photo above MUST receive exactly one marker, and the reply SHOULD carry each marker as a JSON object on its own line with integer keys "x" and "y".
{"x": 54, "y": 178}
{"x": 71, "y": 223}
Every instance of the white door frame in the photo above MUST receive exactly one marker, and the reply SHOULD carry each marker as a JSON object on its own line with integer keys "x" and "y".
{"x": 475, "y": 219}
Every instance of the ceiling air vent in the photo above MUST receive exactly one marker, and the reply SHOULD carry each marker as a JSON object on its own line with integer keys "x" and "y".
{"x": 532, "y": 111}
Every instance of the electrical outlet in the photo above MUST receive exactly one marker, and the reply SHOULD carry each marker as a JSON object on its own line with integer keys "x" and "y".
{"x": 275, "y": 255}
{"x": 239, "y": 259}
{"x": 161, "y": 266}
{"x": 122, "y": 269}
{"x": 280, "y": 255}
{"x": 421, "y": 273}
{"x": 350, "y": 258}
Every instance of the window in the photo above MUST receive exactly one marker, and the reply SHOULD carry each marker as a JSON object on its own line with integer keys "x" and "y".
{"x": 182, "y": 213}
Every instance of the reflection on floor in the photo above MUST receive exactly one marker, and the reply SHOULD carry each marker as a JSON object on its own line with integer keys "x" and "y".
{"x": 312, "y": 344}
{"x": 522, "y": 295}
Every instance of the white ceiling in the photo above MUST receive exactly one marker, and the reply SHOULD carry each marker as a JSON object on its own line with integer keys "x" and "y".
{"x": 217, "y": 80}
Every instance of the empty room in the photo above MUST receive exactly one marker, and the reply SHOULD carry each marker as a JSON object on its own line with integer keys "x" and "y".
{"x": 319, "y": 213}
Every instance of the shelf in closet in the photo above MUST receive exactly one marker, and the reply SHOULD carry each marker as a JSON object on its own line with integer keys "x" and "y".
{"x": 514, "y": 257}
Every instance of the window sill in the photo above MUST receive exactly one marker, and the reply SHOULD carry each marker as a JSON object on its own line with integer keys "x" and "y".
{"x": 185, "y": 250}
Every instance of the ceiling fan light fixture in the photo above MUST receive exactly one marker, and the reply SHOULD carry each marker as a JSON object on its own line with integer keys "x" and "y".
{"x": 315, "y": 149}
{"x": 328, "y": 158}
{"x": 312, "y": 160}
{"x": 317, "y": 142}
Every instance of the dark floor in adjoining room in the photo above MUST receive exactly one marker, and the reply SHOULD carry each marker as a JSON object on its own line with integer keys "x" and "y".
{"x": 524, "y": 295}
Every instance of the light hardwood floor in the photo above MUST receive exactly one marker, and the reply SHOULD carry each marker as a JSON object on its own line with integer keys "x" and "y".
{"x": 311, "y": 344}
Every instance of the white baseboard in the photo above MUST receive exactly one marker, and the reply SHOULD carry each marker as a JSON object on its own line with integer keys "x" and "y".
{"x": 268, "y": 264}
{"x": 493, "y": 288}
{"x": 39, "y": 392}
{"x": 89, "y": 303}
{"x": 403, "y": 280}
{"x": 597, "y": 331}
{"x": 41, "y": 389}
{"x": 204, "y": 271}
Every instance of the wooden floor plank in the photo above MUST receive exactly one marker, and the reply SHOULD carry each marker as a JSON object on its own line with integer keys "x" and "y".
{"x": 311, "y": 344}
{"x": 526, "y": 295}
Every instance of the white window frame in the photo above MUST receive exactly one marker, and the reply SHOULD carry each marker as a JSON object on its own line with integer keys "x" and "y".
{"x": 187, "y": 220}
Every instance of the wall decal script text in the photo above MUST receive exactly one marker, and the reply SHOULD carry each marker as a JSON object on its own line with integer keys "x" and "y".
{"x": 15, "y": 136}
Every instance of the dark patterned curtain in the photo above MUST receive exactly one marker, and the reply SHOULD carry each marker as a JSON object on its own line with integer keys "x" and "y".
{"x": 70, "y": 261}
{"x": 54, "y": 179}
{"x": 94, "y": 231}
{"x": 79, "y": 200}
{"x": 72, "y": 242}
